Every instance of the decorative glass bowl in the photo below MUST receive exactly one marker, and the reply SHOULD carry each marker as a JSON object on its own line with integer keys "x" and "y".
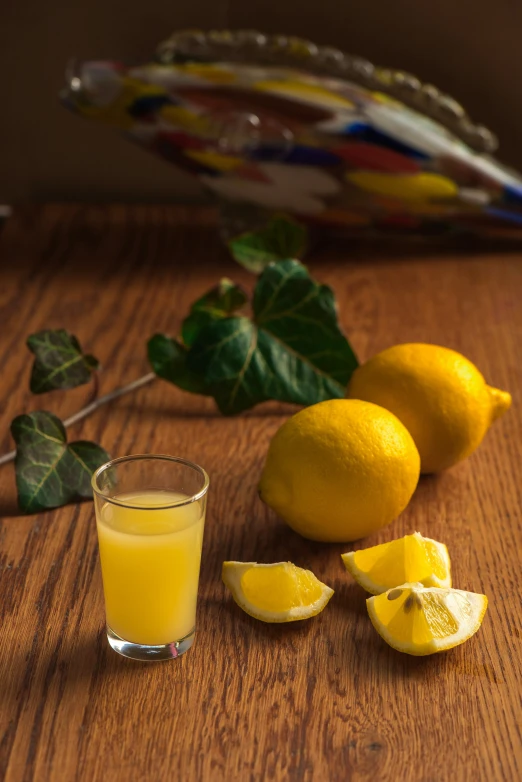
{"x": 276, "y": 125}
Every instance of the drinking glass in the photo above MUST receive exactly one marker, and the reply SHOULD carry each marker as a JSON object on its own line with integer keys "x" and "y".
{"x": 150, "y": 515}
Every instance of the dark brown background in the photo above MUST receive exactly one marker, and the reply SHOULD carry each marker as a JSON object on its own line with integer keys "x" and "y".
{"x": 468, "y": 47}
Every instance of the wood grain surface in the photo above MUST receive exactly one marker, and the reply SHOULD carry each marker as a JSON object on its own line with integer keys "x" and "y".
{"x": 319, "y": 700}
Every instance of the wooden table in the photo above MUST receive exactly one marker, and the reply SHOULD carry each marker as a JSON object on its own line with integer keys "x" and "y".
{"x": 320, "y": 700}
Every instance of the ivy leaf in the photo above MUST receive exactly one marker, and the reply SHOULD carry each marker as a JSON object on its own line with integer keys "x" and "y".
{"x": 220, "y": 302}
{"x": 50, "y": 472}
{"x": 168, "y": 359}
{"x": 59, "y": 361}
{"x": 282, "y": 238}
{"x": 293, "y": 350}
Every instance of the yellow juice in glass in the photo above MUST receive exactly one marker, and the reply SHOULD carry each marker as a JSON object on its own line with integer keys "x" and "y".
{"x": 150, "y": 558}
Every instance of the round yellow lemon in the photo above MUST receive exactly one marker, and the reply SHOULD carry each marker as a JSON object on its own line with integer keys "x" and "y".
{"x": 340, "y": 470}
{"x": 440, "y": 397}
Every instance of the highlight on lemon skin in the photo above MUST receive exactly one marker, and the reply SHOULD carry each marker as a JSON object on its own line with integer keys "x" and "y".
{"x": 278, "y": 592}
{"x": 438, "y": 394}
{"x": 411, "y": 558}
{"x": 422, "y": 620}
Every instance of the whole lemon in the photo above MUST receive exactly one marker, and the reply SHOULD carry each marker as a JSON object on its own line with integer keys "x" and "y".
{"x": 440, "y": 397}
{"x": 340, "y": 470}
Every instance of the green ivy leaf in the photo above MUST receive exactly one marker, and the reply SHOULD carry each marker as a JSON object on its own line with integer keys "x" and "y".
{"x": 59, "y": 361}
{"x": 282, "y": 238}
{"x": 168, "y": 359}
{"x": 50, "y": 472}
{"x": 292, "y": 350}
{"x": 220, "y": 302}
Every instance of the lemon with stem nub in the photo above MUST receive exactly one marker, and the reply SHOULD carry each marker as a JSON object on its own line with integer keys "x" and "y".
{"x": 441, "y": 398}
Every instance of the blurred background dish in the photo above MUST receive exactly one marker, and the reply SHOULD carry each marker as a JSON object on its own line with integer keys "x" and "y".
{"x": 468, "y": 49}
{"x": 272, "y": 124}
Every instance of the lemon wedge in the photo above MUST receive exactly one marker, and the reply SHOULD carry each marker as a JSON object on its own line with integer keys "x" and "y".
{"x": 422, "y": 620}
{"x": 408, "y": 559}
{"x": 281, "y": 592}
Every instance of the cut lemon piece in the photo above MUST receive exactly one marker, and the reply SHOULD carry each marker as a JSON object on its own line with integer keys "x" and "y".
{"x": 422, "y": 620}
{"x": 280, "y": 592}
{"x": 410, "y": 559}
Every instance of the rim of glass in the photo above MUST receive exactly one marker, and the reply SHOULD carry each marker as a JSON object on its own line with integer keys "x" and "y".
{"x": 142, "y": 457}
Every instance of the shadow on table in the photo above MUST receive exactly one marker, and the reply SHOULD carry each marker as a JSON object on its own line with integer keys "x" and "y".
{"x": 384, "y": 248}
{"x": 174, "y": 232}
{"x": 270, "y": 540}
{"x": 47, "y": 670}
{"x": 249, "y": 626}
{"x": 375, "y": 660}
{"x": 380, "y": 662}
{"x": 349, "y": 599}
{"x": 202, "y": 407}
{"x": 49, "y": 679}
{"x": 9, "y": 508}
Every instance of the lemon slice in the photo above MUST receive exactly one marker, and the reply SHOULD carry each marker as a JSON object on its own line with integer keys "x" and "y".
{"x": 406, "y": 560}
{"x": 280, "y": 592}
{"x": 422, "y": 620}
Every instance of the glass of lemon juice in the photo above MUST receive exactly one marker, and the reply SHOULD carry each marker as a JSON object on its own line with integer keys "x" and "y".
{"x": 150, "y": 515}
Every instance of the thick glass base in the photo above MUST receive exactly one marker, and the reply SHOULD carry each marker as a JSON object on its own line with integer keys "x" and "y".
{"x": 149, "y": 653}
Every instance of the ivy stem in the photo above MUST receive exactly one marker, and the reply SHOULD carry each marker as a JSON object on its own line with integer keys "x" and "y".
{"x": 90, "y": 408}
{"x": 95, "y": 386}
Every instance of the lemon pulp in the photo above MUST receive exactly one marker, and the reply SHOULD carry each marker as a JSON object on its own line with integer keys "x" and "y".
{"x": 271, "y": 588}
{"x": 422, "y": 620}
{"x": 279, "y": 592}
{"x": 411, "y": 558}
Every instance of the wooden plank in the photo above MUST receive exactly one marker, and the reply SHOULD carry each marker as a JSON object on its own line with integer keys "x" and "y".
{"x": 319, "y": 700}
